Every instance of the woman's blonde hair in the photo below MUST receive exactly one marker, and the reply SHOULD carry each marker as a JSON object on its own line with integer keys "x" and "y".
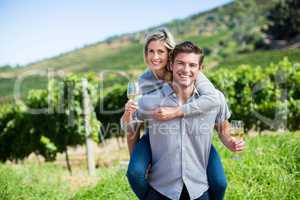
{"x": 164, "y": 35}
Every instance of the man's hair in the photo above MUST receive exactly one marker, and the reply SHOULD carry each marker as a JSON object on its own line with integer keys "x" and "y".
{"x": 187, "y": 47}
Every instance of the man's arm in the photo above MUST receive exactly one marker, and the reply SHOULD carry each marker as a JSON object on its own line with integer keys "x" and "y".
{"x": 223, "y": 128}
{"x": 233, "y": 145}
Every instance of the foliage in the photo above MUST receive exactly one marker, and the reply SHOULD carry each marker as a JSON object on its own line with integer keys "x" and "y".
{"x": 109, "y": 110}
{"x": 247, "y": 23}
{"x": 16, "y": 138}
{"x": 284, "y": 20}
{"x": 9, "y": 87}
{"x": 264, "y": 98}
{"x": 48, "y": 122}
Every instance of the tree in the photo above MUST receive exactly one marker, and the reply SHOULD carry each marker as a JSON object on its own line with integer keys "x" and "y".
{"x": 284, "y": 20}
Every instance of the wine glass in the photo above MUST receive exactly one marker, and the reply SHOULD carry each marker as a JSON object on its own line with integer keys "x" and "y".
{"x": 133, "y": 93}
{"x": 133, "y": 90}
{"x": 237, "y": 132}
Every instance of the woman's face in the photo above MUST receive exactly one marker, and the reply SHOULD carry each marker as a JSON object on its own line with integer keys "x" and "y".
{"x": 156, "y": 55}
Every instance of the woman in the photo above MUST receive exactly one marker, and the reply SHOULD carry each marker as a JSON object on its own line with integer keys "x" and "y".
{"x": 158, "y": 46}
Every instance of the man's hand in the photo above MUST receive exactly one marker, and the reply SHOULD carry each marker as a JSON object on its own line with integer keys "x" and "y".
{"x": 235, "y": 145}
{"x": 167, "y": 113}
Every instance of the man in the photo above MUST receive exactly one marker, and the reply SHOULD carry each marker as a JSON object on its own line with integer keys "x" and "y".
{"x": 180, "y": 147}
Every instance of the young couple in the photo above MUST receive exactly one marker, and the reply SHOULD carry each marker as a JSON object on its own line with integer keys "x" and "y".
{"x": 175, "y": 158}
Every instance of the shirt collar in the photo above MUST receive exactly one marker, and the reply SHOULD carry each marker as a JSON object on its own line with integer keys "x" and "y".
{"x": 196, "y": 92}
{"x": 167, "y": 90}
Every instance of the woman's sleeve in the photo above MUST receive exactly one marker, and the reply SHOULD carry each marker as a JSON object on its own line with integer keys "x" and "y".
{"x": 208, "y": 100}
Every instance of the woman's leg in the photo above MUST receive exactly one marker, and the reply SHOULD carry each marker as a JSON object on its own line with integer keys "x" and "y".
{"x": 138, "y": 164}
{"x": 216, "y": 176}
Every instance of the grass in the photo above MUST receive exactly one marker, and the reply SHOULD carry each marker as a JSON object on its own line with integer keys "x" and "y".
{"x": 78, "y": 58}
{"x": 124, "y": 59}
{"x": 207, "y": 41}
{"x": 113, "y": 185}
{"x": 268, "y": 169}
{"x": 262, "y": 58}
{"x": 32, "y": 182}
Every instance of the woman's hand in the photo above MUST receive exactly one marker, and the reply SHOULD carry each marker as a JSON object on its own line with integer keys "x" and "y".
{"x": 167, "y": 113}
{"x": 130, "y": 108}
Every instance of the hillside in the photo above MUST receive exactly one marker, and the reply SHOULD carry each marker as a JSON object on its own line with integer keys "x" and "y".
{"x": 223, "y": 32}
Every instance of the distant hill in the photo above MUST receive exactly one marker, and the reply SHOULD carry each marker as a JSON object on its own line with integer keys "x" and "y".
{"x": 229, "y": 32}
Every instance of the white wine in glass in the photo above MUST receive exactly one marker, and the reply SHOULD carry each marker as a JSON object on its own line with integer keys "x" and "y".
{"x": 237, "y": 132}
{"x": 132, "y": 97}
{"x": 133, "y": 93}
{"x": 133, "y": 90}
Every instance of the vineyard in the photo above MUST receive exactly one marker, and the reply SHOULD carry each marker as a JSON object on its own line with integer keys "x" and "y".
{"x": 252, "y": 55}
{"x": 51, "y": 120}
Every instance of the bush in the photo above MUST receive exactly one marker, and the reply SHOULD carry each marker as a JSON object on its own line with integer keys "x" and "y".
{"x": 264, "y": 98}
{"x": 110, "y": 108}
{"x": 49, "y": 123}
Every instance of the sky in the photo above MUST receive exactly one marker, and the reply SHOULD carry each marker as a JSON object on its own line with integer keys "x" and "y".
{"x": 31, "y": 30}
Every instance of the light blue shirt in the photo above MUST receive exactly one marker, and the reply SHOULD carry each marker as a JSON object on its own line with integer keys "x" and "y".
{"x": 180, "y": 147}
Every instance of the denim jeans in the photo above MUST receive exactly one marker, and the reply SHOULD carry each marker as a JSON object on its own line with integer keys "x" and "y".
{"x": 141, "y": 158}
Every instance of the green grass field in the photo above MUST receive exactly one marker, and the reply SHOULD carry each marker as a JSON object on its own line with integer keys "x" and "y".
{"x": 268, "y": 169}
{"x": 262, "y": 58}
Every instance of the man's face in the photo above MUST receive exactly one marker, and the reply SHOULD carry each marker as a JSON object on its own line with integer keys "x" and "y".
{"x": 185, "y": 69}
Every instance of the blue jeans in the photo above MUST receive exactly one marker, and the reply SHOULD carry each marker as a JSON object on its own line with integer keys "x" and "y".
{"x": 141, "y": 158}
